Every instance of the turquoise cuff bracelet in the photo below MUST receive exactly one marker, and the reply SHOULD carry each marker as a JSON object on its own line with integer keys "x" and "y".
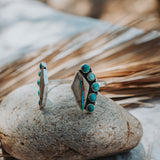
{"x": 43, "y": 84}
{"x": 85, "y": 88}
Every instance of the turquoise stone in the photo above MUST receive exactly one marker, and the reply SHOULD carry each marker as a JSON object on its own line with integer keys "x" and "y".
{"x": 38, "y": 81}
{"x": 39, "y": 102}
{"x": 85, "y": 68}
{"x": 91, "y": 77}
{"x": 90, "y": 108}
{"x": 40, "y": 66}
{"x": 95, "y": 86}
{"x": 38, "y": 92}
{"x": 39, "y": 73}
{"x": 92, "y": 97}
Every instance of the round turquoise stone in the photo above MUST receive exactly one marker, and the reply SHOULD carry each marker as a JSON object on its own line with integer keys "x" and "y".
{"x": 38, "y": 92}
{"x": 90, "y": 108}
{"x": 85, "y": 68}
{"x": 40, "y": 66}
{"x": 92, "y": 97}
{"x": 39, "y": 73}
{"x": 38, "y": 81}
{"x": 95, "y": 86}
{"x": 91, "y": 77}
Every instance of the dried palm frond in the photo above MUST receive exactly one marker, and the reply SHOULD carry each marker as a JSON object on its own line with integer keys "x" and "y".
{"x": 130, "y": 69}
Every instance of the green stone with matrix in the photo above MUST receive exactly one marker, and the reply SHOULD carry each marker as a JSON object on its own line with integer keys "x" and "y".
{"x": 40, "y": 66}
{"x": 39, "y": 73}
{"x": 91, "y": 77}
{"x": 85, "y": 68}
{"x": 38, "y": 81}
{"x": 39, "y": 102}
{"x": 95, "y": 86}
{"x": 92, "y": 97}
{"x": 90, "y": 108}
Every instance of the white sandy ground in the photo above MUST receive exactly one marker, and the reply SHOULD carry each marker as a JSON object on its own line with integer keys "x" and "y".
{"x": 150, "y": 119}
{"x": 28, "y": 25}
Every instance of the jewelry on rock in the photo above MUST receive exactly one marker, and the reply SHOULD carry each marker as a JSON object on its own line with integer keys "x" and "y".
{"x": 43, "y": 84}
{"x": 85, "y": 88}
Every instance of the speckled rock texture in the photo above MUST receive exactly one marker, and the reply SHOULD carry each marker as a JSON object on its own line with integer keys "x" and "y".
{"x": 61, "y": 131}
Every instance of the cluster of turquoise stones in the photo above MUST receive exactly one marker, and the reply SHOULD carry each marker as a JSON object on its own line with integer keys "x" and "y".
{"x": 90, "y": 77}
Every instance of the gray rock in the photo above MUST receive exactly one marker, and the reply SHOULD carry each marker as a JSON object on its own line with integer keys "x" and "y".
{"x": 61, "y": 130}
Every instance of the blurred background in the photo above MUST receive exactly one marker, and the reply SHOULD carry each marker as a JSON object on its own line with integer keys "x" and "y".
{"x": 65, "y": 32}
{"x": 114, "y": 11}
{"x": 119, "y": 39}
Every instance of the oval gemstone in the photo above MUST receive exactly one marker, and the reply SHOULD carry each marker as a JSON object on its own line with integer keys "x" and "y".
{"x": 85, "y": 68}
{"x": 95, "y": 86}
{"x": 40, "y": 65}
{"x": 38, "y": 81}
{"x": 39, "y": 102}
{"x": 92, "y": 97}
{"x": 91, "y": 77}
{"x": 38, "y": 92}
{"x": 90, "y": 108}
{"x": 39, "y": 73}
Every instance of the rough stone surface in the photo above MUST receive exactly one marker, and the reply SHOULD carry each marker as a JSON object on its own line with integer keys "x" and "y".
{"x": 61, "y": 130}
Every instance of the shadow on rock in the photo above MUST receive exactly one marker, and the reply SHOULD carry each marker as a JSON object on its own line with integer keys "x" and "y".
{"x": 137, "y": 153}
